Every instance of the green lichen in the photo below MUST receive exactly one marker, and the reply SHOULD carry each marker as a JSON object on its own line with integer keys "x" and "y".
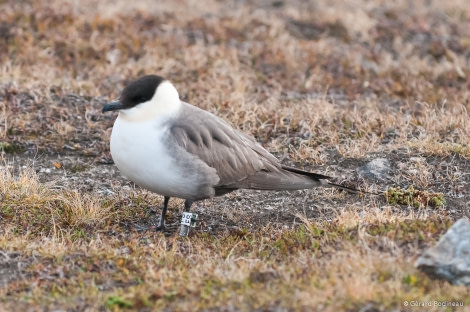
{"x": 10, "y": 148}
{"x": 414, "y": 198}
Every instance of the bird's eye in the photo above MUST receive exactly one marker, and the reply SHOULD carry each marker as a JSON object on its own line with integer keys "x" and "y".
{"x": 140, "y": 99}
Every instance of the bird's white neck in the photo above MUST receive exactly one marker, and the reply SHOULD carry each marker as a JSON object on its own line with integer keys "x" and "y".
{"x": 164, "y": 104}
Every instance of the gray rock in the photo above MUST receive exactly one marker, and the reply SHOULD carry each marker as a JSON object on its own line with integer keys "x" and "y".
{"x": 376, "y": 169}
{"x": 450, "y": 258}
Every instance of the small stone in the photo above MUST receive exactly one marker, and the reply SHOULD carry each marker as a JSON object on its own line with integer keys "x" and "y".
{"x": 107, "y": 192}
{"x": 450, "y": 258}
{"x": 376, "y": 169}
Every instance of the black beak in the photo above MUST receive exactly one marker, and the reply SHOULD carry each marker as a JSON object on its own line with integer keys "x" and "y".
{"x": 116, "y": 105}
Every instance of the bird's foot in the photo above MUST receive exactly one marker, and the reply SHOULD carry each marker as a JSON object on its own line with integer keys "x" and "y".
{"x": 160, "y": 227}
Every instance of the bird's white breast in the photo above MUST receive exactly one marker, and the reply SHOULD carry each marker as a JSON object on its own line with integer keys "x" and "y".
{"x": 140, "y": 153}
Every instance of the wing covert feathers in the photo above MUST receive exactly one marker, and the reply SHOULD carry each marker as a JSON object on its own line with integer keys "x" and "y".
{"x": 240, "y": 162}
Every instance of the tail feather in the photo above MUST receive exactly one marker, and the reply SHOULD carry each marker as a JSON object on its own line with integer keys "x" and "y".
{"x": 312, "y": 175}
{"x": 284, "y": 178}
{"x": 320, "y": 177}
{"x": 288, "y": 178}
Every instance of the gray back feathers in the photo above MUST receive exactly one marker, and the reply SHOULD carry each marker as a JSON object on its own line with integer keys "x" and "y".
{"x": 239, "y": 161}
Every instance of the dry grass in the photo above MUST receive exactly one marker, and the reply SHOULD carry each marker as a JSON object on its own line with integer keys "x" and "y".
{"x": 354, "y": 259}
{"x": 326, "y": 85}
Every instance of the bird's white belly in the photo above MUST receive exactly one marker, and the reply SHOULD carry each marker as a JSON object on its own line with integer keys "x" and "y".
{"x": 139, "y": 151}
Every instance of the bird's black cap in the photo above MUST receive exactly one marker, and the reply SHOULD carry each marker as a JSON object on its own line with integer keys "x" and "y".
{"x": 139, "y": 91}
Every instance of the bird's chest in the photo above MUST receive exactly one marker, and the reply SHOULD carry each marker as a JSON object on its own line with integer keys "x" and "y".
{"x": 139, "y": 151}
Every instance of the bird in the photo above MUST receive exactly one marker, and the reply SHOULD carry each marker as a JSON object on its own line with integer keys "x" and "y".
{"x": 175, "y": 149}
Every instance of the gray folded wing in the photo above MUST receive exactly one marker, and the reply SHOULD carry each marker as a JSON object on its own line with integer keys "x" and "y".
{"x": 240, "y": 162}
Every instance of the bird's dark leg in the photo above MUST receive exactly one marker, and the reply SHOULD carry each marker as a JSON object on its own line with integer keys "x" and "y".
{"x": 161, "y": 223}
{"x": 187, "y": 205}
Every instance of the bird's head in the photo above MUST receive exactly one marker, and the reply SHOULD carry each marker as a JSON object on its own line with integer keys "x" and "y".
{"x": 145, "y": 98}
